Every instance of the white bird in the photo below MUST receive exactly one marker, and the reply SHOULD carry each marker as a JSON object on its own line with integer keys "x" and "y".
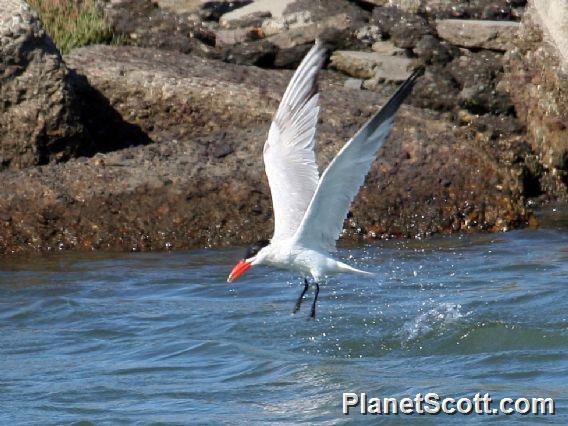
{"x": 309, "y": 211}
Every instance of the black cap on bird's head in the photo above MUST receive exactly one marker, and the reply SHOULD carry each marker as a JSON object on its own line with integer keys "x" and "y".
{"x": 253, "y": 249}
{"x": 246, "y": 262}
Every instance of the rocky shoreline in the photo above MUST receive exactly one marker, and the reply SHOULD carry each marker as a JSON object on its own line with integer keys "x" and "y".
{"x": 157, "y": 144}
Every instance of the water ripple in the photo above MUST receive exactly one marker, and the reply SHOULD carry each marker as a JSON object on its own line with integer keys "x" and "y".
{"x": 161, "y": 338}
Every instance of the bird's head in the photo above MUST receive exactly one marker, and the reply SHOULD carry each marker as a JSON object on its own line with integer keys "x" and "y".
{"x": 251, "y": 258}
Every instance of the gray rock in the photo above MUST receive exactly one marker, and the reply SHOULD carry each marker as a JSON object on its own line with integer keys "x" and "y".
{"x": 212, "y": 10}
{"x": 404, "y": 29}
{"x": 367, "y": 3}
{"x": 322, "y": 9}
{"x": 290, "y": 32}
{"x": 254, "y": 19}
{"x": 495, "y": 35}
{"x": 436, "y": 90}
{"x": 477, "y": 74}
{"x": 39, "y": 122}
{"x": 290, "y": 21}
{"x": 387, "y": 48}
{"x": 432, "y": 51}
{"x": 353, "y": 83}
{"x": 287, "y": 48}
{"x": 552, "y": 15}
{"x": 535, "y": 76}
{"x": 264, "y": 8}
{"x": 371, "y": 65}
{"x": 227, "y": 38}
{"x": 292, "y": 44}
{"x": 181, "y": 6}
{"x": 369, "y": 34}
{"x": 478, "y": 9}
{"x": 144, "y": 24}
{"x": 412, "y": 6}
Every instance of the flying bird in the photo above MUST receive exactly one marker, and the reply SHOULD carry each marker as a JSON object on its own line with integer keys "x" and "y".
{"x": 309, "y": 210}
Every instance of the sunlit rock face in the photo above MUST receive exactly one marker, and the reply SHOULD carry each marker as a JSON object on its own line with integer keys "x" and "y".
{"x": 537, "y": 79}
{"x": 38, "y": 118}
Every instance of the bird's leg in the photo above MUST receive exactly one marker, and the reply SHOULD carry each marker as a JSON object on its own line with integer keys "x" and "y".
{"x": 313, "y": 314}
{"x": 301, "y": 298}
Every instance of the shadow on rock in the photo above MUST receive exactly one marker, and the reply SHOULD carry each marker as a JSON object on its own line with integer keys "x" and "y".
{"x": 105, "y": 126}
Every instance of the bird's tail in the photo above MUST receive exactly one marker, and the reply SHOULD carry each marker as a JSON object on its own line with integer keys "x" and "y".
{"x": 346, "y": 268}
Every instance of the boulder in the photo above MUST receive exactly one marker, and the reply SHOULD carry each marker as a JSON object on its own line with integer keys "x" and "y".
{"x": 288, "y": 33}
{"x": 284, "y": 23}
{"x": 553, "y": 17}
{"x": 171, "y": 95}
{"x": 436, "y": 90}
{"x": 432, "y": 51}
{"x": 293, "y": 44}
{"x": 228, "y": 38}
{"x": 495, "y": 35}
{"x": 466, "y": 9}
{"x": 181, "y": 6}
{"x": 371, "y": 65}
{"x": 322, "y": 9}
{"x": 209, "y": 121}
{"x": 212, "y": 10}
{"x": 372, "y": 3}
{"x": 257, "y": 8}
{"x": 405, "y": 29}
{"x": 353, "y": 83}
{"x": 369, "y": 34}
{"x": 143, "y": 23}
{"x": 387, "y": 48}
{"x": 39, "y": 121}
{"x": 536, "y": 76}
{"x": 478, "y": 74}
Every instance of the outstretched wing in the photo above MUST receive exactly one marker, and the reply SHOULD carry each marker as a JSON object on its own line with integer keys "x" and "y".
{"x": 323, "y": 221}
{"x": 289, "y": 157}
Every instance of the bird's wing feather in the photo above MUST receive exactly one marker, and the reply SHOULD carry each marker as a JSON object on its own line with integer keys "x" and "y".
{"x": 289, "y": 157}
{"x": 341, "y": 181}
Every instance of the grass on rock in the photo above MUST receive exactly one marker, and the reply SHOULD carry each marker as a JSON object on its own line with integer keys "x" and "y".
{"x": 74, "y": 23}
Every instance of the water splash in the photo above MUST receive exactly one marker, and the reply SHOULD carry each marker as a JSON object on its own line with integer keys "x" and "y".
{"x": 432, "y": 320}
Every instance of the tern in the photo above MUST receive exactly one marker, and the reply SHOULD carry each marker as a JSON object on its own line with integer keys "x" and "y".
{"x": 309, "y": 211}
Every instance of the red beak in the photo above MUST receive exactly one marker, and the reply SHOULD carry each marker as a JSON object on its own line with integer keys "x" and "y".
{"x": 238, "y": 270}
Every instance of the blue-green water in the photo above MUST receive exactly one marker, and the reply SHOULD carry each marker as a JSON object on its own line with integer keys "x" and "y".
{"x": 162, "y": 338}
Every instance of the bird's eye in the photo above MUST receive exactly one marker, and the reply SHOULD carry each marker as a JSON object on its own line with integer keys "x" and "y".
{"x": 255, "y": 248}
{"x": 250, "y": 252}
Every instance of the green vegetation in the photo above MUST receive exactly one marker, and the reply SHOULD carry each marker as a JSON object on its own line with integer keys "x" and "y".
{"x": 73, "y": 23}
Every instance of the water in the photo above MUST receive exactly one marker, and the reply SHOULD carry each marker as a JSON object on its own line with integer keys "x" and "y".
{"x": 162, "y": 338}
